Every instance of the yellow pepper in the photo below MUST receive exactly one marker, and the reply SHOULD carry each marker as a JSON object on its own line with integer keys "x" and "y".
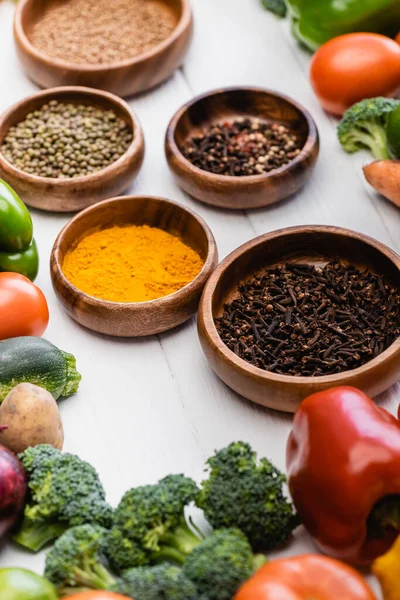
{"x": 387, "y": 569}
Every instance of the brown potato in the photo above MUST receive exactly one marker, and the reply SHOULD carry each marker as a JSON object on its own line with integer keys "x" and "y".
{"x": 31, "y": 416}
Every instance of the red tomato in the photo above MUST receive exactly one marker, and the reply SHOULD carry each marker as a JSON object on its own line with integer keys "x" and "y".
{"x": 355, "y": 66}
{"x": 398, "y": 38}
{"x": 305, "y": 577}
{"x": 96, "y": 596}
{"x": 23, "y": 307}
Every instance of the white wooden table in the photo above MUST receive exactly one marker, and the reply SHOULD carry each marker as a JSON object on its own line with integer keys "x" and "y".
{"x": 151, "y": 407}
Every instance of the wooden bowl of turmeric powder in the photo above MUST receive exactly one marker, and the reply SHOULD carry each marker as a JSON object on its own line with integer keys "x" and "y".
{"x": 133, "y": 266}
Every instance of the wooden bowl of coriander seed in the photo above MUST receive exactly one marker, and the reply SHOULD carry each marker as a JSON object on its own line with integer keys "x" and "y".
{"x": 300, "y": 310}
{"x": 125, "y": 48}
{"x": 66, "y": 148}
{"x": 156, "y": 256}
{"x": 241, "y": 148}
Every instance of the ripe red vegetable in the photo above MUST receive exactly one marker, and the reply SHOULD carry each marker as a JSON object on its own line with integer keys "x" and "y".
{"x": 305, "y": 577}
{"x": 355, "y": 66}
{"x": 343, "y": 464}
{"x": 13, "y": 487}
{"x": 23, "y": 307}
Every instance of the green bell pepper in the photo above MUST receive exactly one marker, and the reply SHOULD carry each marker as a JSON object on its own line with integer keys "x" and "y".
{"x": 18, "y": 250}
{"x": 16, "y": 229}
{"x": 20, "y": 584}
{"x": 314, "y": 22}
{"x": 25, "y": 262}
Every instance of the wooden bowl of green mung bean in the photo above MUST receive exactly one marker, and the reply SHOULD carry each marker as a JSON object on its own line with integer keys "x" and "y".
{"x": 66, "y": 148}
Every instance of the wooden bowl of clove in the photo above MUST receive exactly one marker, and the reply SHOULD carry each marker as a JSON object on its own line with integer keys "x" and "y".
{"x": 239, "y": 335}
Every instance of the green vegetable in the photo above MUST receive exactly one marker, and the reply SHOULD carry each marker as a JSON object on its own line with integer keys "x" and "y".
{"x": 246, "y": 494}
{"x": 393, "y": 132}
{"x": 363, "y": 126}
{"x": 149, "y": 524}
{"x": 220, "y": 565}
{"x": 277, "y": 7}
{"x": 35, "y": 360}
{"x": 314, "y": 22}
{"x": 77, "y": 560}
{"x": 25, "y": 262}
{"x": 161, "y": 582}
{"x": 20, "y": 584}
{"x": 64, "y": 491}
{"x": 18, "y": 251}
{"x": 16, "y": 228}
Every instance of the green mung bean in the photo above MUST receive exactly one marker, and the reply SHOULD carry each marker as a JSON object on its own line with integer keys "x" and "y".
{"x": 67, "y": 140}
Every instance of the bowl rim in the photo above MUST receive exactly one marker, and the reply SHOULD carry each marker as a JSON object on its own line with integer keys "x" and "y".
{"x": 133, "y": 149}
{"x": 244, "y": 367}
{"x": 310, "y": 143}
{"x": 175, "y": 297}
{"x": 22, "y": 38}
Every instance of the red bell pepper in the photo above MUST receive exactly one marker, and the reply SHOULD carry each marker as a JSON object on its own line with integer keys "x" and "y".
{"x": 343, "y": 463}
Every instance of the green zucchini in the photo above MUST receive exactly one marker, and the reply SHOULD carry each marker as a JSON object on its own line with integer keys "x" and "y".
{"x": 35, "y": 360}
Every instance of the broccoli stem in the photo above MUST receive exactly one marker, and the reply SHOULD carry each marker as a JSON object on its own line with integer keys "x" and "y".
{"x": 97, "y": 578}
{"x": 64, "y": 592}
{"x": 259, "y": 561}
{"x": 177, "y": 544}
{"x": 374, "y": 137}
{"x": 35, "y": 536}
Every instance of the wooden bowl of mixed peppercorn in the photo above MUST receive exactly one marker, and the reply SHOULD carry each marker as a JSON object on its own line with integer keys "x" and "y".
{"x": 300, "y": 310}
{"x": 242, "y": 148}
{"x": 66, "y": 148}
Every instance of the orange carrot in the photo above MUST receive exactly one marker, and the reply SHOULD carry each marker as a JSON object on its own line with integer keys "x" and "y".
{"x": 384, "y": 176}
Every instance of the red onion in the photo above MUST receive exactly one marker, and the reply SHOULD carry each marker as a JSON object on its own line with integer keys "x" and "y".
{"x": 13, "y": 487}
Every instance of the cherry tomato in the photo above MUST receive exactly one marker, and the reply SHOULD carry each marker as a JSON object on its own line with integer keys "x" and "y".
{"x": 96, "y": 596}
{"x": 355, "y": 66}
{"x": 23, "y": 307}
{"x": 398, "y": 38}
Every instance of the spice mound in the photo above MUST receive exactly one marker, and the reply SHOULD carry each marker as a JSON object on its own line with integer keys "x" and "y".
{"x": 302, "y": 320}
{"x": 242, "y": 147}
{"x": 97, "y": 32}
{"x": 131, "y": 264}
{"x": 67, "y": 140}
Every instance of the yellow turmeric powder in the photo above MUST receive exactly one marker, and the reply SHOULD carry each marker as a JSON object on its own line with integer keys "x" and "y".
{"x": 131, "y": 264}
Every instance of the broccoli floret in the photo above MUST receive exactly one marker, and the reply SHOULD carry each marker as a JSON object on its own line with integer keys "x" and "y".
{"x": 149, "y": 525}
{"x": 243, "y": 493}
{"x": 77, "y": 561}
{"x": 277, "y": 7}
{"x": 220, "y": 565}
{"x": 64, "y": 491}
{"x": 161, "y": 582}
{"x": 363, "y": 126}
